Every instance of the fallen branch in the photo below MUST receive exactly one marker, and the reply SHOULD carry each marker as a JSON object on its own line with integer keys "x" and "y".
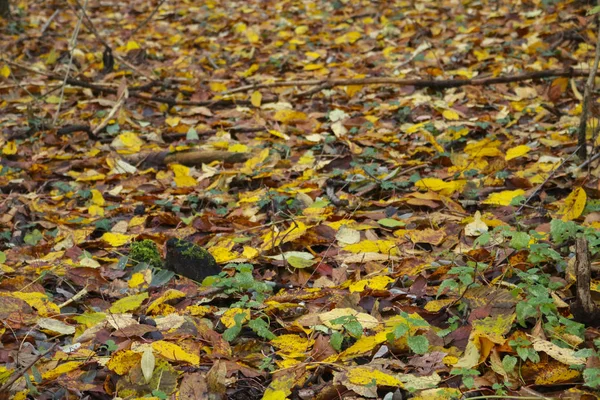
{"x": 193, "y": 158}
{"x": 584, "y": 310}
{"x": 419, "y": 83}
{"x": 171, "y": 137}
{"x": 133, "y": 92}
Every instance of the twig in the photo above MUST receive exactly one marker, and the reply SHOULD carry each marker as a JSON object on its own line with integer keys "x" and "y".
{"x": 90, "y": 25}
{"x": 132, "y": 91}
{"x": 419, "y": 83}
{"x": 72, "y": 47}
{"x": 589, "y": 86}
{"x": 123, "y": 94}
{"x": 140, "y": 26}
{"x": 47, "y": 23}
{"x": 82, "y": 293}
{"x": 19, "y": 374}
{"x": 541, "y": 185}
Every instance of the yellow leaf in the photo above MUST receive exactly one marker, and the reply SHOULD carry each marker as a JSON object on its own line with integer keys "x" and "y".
{"x": 574, "y": 205}
{"x": 438, "y": 185}
{"x": 313, "y": 67}
{"x": 253, "y": 34}
{"x": 256, "y": 98}
{"x": 352, "y": 37}
{"x": 136, "y": 280}
{"x": 239, "y": 148}
{"x": 517, "y": 152}
{"x": 364, "y": 345}
{"x": 292, "y": 345}
{"x": 295, "y": 231}
{"x": 223, "y": 254}
{"x": 5, "y": 71}
{"x": 97, "y": 198}
{"x": 173, "y": 121}
{"x": 250, "y": 71}
{"x": 170, "y": 294}
{"x": 373, "y": 246}
{"x": 173, "y": 352}
{"x": 286, "y": 116}
{"x": 116, "y": 239}
{"x": 503, "y": 198}
{"x": 279, "y": 134}
{"x": 129, "y": 303}
{"x": 228, "y": 318}
{"x": 39, "y": 301}
{"x": 312, "y": 55}
{"x": 182, "y": 178}
{"x": 61, "y": 370}
{"x": 95, "y": 210}
{"x": 217, "y": 87}
{"x": 9, "y": 148}
{"x": 249, "y": 252}
{"x": 184, "y": 181}
{"x": 450, "y": 115}
{"x": 364, "y": 376}
{"x": 301, "y": 30}
{"x": 132, "y": 45}
{"x": 122, "y": 361}
{"x": 376, "y": 283}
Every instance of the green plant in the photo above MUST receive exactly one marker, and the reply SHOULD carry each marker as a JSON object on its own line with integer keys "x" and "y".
{"x": 408, "y": 328}
{"x": 252, "y": 295}
{"x": 468, "y": 376}
{"x": 524, "y": 350}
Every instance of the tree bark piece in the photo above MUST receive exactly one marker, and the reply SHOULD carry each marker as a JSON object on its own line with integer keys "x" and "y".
{"x": 584, "y": 310}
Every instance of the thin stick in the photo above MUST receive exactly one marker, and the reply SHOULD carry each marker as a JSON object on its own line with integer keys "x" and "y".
{"x": 136, "y": 30}
{"x": 47, "y": 24}
{"x": 22, "y": 372}
{"x": 541, "y": 185}
{"x": 72, "y": 46}
{"x": 419, "y": 83}
{"x": 118, "y": 104}
{"x": 589, "y": 87}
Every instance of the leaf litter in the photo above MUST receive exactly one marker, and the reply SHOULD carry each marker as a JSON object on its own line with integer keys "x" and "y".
{"x": 378, "y": 235}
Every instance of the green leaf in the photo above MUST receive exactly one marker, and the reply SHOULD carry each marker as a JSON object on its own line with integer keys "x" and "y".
{"x": 390, "y": 223}
{"x": 299, "y": 262}
{"x": 593, "y": 11}
{"x": 2, "y": 257}
{"x": 33, "y": 238}
{"x": 509, "y": 363}
{"x": 261, "y": 328}
{"x": 336, "y": 340}
{"x": 418, "y": 344}
{"x": 233, "y": 332}
{"x": 520, "y": 240}
{"x": 354, "y": 328}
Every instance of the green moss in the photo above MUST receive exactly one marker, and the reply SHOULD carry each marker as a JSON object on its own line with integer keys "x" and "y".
{"x": 145, "y": 251}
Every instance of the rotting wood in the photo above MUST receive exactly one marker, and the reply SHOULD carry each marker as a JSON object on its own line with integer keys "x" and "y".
{"x": 584, "y": 309}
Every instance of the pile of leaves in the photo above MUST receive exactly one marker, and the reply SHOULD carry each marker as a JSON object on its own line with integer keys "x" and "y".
{"x": 377, "y": 239}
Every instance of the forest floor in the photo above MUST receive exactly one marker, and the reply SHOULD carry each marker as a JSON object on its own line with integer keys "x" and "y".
{"x": 389, "y": 223}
